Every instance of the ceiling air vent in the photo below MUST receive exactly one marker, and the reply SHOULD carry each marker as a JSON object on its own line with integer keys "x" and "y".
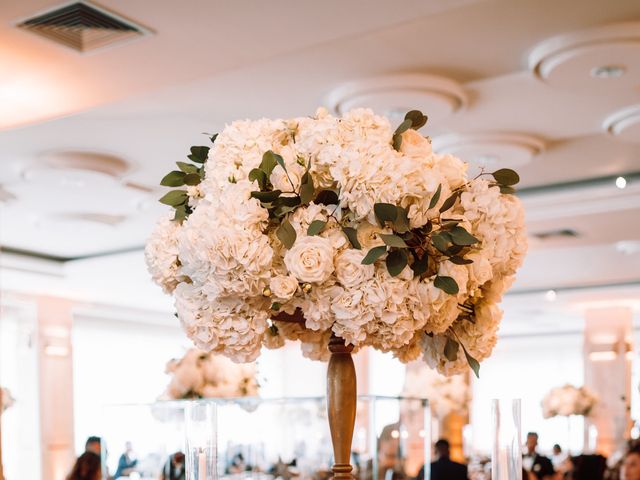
{"x": 83, "y": 27}
{"x": 552, "y": 234}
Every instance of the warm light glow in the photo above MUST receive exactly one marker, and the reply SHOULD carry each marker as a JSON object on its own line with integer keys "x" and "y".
{"x": 551, "y": 295}
{"x": 56, "y": 350}
{"x": 621, "y": 182}
{"x": 605, "y": 356}
{"x": 630, "y": 356}
{"x": 395, "y": 434}
{"x": 421, "y": 433}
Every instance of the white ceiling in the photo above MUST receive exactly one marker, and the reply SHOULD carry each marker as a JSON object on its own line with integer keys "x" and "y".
{"x": 208, "y": 63}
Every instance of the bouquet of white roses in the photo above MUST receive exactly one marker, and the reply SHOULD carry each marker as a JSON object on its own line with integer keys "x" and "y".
{"x": 446, "y": 394}
{"x": 7, "y": 399}
{"x": 317, "y": 226}
{"x": 203, "y": 375}
{"x": 568, "y": 400}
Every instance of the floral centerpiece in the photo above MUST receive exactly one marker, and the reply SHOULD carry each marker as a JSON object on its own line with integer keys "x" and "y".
{"x": 7, "y": 399}
{"x": 203, "y": 375}
{"x": 317, "y": 226}
{"x": 568, "y": 400}
{"x": 446, "y": 394}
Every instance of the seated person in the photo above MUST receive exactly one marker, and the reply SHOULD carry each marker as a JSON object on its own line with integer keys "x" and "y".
{"x": 174, "y": 469}
{"x": 444, "y": 468}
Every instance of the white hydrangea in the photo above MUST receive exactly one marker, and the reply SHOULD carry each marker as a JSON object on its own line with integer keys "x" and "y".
{"x": 237, "y": 287}
{"x": 568, "y": 400}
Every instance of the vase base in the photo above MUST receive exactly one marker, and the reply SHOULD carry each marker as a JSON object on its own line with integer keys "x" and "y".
{"x": 342, "y": 471}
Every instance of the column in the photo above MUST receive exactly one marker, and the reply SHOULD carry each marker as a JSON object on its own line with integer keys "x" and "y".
{"x": 56, "y": 386}
{"x": 608, "y": 354}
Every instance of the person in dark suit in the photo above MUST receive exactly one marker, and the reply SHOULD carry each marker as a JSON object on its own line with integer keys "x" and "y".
{"x": 539, "y": 465}
{"x": 444, "y": 468}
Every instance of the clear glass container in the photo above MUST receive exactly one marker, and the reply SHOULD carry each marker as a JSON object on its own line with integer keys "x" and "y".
{"x": 268, "y": 438}
{"x": 506, "y": 458}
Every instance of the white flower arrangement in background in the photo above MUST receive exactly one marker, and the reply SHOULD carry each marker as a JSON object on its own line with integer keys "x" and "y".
{"x": 203, "y": 375}
{"x": 568, "y": 400}
{"x": 446, "y": 394}
{"x": 7, "y": 399}
{"x": 306, "y": 228}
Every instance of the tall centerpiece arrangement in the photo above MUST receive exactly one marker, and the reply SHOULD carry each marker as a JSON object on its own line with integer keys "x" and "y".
{"x": 200, "y": 374}
{"x": 338, "y": 232}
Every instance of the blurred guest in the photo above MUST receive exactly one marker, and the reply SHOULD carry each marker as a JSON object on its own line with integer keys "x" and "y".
{"x": 238, "y": 465}
{"x": 87, "y": 467}
{"x": 174, "y": 468}
{"x": 126, "y": 463}
{"x": 93, "y": 445}
{"x": 390, "y": 465}
{"x": 631, "y": 466}
{"x": 558, "y": 457}
{"x": 444, "y": 468}
{"x": 535, "y": 463}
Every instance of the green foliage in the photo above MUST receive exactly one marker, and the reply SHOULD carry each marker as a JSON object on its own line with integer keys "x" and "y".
{"x": 450, "y": 201}
{"x": 417, "y": 118}
{"x": 374, "y": 254}
{"x": 316, "y": 227}
{"x": 199, "y": 154}
{"x": 173, "y": 179}
{"x": 385, "y": 212}
{"x": 420, "y": 264}
{"x": 352, "y": 235}
{"x": 393, "y": 241}
{"x": 451, "y": 349}
{"x": 327, "y": 197}
{"x": 396, "y": 261}
{"x": 192, "y": 179}
{"x": 286, "y": 233}
{"x": 436, "y": 197}
{"x": 446, "y": 284}
{"x": 174, "y": 198}
{"x": 461, "y": 237}
{"x": 506, "y": 177}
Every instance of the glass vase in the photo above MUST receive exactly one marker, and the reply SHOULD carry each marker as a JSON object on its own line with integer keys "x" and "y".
{"x": 200, "y": 421}
{"x": 506, "y": 458}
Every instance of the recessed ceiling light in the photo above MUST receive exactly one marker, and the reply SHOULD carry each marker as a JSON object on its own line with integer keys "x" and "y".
{"x": 621, "y": 182}
{"x": 551, "y": 295}
{"x": 608, "y": 71}
{"x": 486, "y": 160}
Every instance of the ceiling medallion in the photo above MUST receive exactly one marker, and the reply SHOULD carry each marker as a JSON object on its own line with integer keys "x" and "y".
{"x": 394, "y": 95}
{"x": 596, "y": 58}
{"x": 624, "y": 124}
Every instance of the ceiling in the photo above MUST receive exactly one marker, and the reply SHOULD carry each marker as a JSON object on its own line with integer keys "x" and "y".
{"x": 527, "y": 97}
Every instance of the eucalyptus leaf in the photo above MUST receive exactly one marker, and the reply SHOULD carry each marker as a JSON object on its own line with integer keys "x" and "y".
{"x": 446, "y": 284}
{"x": 459, "y": 260}
{"x": 396, "y": 261}
{"x": 440, "y": 241}
{"x": 507, "y": 190}
{"x": 436, "y": 197}
{"x": 199, "y": 154}
{"x": 420, "y": 264}
{"x": 280, "y": 161}
{"x": 352, "y": 235}
{"x": 260, "y": 176}
{"x": 460, "y": 236}
{"x": 397, "y": 141}
{"x": 192, "y": 179}
{"x": 173, "y": 179}
{"x": 473, "y": 363}
{"x": 266, "y": 196}
{"x": 392, "y": 240}
{"x": 307, "y": 189}
{"x": 418, "y": 119}
{"x": 451, "y": 201}
{"x": 451, "y": 349}
{"x": 293, "y": 201}
{"x": 281, "y": 210}
{"x": 316, "y": 227}
{"x": 385, "y": 212}
{"x": 213, "y": 138}
{"x": 268, "y": 162}
{"x": 401, "y": 223}
{"x": 187, "y": 167}
{"x": 286, "y": 233}
{"x": 181, "y": 213}
{"x": 327, "y": 197}
{"x": 174, "y": 198}
{"x": 506, "y": 176}
{"x": 403, "y": 127}
{"x": 374, "y": 254}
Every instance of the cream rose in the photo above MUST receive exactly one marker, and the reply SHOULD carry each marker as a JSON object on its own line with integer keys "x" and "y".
{"x": 350, "y": 270}
{"x": 414, "y": 144}
{"x": 284, "y": 286}
{"x": 310, "y": 259}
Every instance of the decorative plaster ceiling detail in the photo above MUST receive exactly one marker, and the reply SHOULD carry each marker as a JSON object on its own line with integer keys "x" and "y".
{"x": 83, "y": 160}
{"x": 624, "y": 124}
{"x": 491, "y": 150}
{"x": 394, "y": 95}
{"x": 597, "y": 58}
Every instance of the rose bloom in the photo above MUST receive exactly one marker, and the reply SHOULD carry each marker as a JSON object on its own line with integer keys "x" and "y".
{"x": 284, "y": 286}
{"x": 310, "y": 259}
{"x": 415, "y": 145}
{"x": 349, "y": 268}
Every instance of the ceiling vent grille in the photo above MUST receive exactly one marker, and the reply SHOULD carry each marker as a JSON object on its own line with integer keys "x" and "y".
{"x": 83, "y": 27}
